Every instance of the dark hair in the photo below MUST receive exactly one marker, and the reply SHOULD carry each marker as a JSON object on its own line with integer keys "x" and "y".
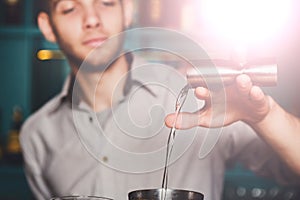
{"x": 43, "y": 6}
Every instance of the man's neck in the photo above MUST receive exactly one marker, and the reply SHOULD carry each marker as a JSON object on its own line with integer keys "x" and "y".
{"x": 101, "y": 90}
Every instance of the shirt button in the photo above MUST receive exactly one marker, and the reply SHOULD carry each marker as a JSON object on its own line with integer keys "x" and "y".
{"x": 91, "y": 119}
{"x": 104, "y": 158}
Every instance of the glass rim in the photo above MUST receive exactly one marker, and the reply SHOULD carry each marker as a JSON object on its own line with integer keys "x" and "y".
{"x": 79, "y": 196}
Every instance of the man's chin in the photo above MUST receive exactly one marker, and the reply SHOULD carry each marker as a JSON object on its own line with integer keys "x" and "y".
{"x": 93, "y": 67}
{"x": 90, "y": 64}
{"x": 100, "y": 59}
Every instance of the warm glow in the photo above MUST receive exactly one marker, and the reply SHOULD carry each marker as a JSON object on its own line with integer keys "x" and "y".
{"x": 50, "y": 55}
{"x": 246, "y": 20}
{"x": 187, "y": 17}
{"x": 155, "y": 10}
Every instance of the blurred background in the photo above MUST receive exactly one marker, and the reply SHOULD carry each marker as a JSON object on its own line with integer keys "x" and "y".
{"x": 33, "y": 70}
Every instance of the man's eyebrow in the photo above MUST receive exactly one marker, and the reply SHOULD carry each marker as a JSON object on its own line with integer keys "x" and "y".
{"x": 54, "y": 3}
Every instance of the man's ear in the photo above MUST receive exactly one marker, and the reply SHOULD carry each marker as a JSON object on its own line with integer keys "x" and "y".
{"x": 128, "y": 12}
{"x": 46, "y": 27}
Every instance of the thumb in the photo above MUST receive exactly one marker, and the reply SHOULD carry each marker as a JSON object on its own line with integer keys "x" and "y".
{"x": 184, "y": 120}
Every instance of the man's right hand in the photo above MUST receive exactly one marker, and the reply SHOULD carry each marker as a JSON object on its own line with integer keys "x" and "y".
{"x": 243, "y": 101}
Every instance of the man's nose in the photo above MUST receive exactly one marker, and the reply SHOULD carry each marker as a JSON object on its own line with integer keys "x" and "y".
{"x": 92, "y": 18}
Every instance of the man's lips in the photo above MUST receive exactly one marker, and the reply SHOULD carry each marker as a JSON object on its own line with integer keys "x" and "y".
{"x": 94, "y": 42}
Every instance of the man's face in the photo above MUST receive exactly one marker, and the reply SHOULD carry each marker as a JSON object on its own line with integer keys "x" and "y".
{"x": 80, "y": 26}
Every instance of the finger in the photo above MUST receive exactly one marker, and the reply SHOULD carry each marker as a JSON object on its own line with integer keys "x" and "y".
{"x": 244, "y": 84}
{"x": 202, "y": 93}
{"x": 257, "y": 95}
{"x": 170, "y": 119}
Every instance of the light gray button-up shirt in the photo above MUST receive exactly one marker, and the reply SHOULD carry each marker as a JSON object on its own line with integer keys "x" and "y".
{"x": 69, "y": 149}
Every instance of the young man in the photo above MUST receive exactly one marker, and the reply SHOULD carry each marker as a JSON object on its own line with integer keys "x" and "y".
{"x": 99, "y": 137}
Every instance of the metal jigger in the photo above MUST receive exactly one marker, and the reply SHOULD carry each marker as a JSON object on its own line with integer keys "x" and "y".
{"x": 162, "y": 194}
{"x": 261, "y": 75}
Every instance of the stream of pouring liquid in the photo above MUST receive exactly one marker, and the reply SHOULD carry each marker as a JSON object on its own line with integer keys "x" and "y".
{"x": 171, "y": 138}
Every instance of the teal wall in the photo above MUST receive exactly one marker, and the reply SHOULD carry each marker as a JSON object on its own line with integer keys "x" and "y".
{"x": 26, "y": 81}
{"x": 14, "y": 77}
{"x": 15, "y": 55}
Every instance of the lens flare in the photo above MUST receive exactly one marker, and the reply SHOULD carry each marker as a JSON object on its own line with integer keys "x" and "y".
{"x": 246, "y": 20}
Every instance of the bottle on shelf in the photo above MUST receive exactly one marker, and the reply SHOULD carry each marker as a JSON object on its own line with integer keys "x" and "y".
{"x": 13, "y": 153}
